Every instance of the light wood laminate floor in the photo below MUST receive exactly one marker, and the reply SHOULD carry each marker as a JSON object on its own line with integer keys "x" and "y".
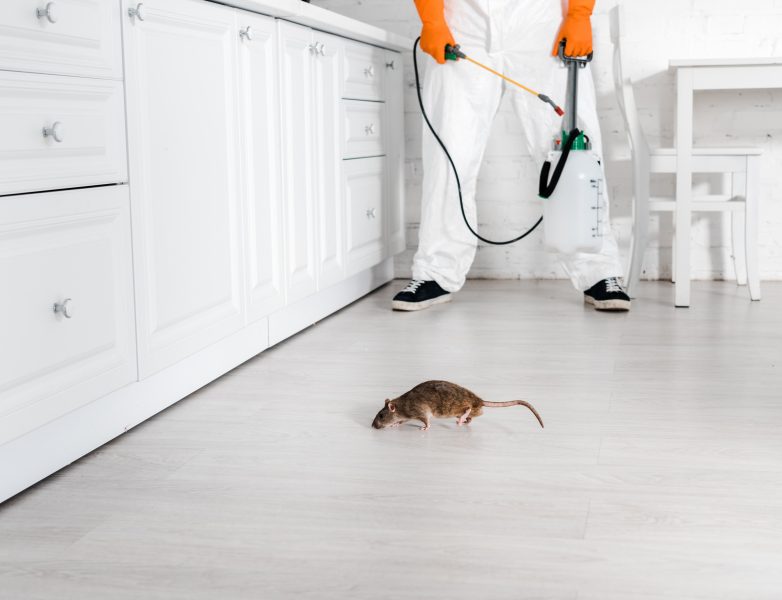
{"x": 658, "y": 476}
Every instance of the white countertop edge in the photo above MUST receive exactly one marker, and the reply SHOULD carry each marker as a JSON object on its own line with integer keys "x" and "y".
{"x": 320, "y": 18}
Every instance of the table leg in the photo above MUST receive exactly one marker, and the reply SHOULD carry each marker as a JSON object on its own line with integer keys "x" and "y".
{"x": 751, "y": 224}
{"x": 684, "y": 132}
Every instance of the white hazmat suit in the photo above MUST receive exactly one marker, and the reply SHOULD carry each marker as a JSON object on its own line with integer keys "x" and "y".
{"x": 514, "y": 37}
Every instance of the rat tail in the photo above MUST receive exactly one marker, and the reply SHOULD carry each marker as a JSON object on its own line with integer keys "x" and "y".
{"x": 515, "y": 403}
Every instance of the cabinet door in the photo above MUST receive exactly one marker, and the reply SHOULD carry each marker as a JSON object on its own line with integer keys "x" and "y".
{"x": 395, "y": 151}
{"x": 180, "y": 65}
{"x": 262, "y": 194}
{"x": 328, "y": 80}
{"x": 296, "y": 56}
{"x": 67, "y": 303}
{"x": 365, "y": 185}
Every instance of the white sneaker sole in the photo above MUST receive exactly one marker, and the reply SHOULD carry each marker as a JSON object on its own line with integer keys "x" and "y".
{"x": 617, "y": 305}
{"x": 413, "y": 306}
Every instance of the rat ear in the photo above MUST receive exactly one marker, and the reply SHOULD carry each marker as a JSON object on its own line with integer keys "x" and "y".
{"x": 391, "y": 406}
{"x": 387, "y": 401}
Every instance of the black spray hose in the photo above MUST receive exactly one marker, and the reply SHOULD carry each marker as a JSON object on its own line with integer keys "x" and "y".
{"x": 453, "y": 166}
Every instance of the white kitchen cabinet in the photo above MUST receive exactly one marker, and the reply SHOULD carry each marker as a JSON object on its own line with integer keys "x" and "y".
{"x": 264, "y": 163}
{"x": 67, "y": 37}
{"x": 395, "y": 151}
{"x": 365, "y": 188}
{"x": 67, "y": 303}
{"x": 364, "y": 72}
{"x": 296, "y": 65}
{"x": 181, "y": 87}
{"x": 60, "y": 132}
{"x": 364, "y": 129}
{"x": 261, "y": 169}
{"x": 328, "y": 76}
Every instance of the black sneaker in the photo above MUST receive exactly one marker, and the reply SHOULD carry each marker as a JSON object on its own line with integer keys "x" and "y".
{"x": 608, "y": 295}
{"x": 419, "y": 295}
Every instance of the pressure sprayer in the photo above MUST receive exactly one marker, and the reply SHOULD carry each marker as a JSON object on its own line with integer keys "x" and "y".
{"x": 572, "y": 195}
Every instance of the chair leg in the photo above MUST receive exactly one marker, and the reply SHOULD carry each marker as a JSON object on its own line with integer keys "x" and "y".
{"x": 737, "y": 223}
{"x": 673, "y": 250}
{"x": 751, "y": 226}
{"x": 639, "y": 240}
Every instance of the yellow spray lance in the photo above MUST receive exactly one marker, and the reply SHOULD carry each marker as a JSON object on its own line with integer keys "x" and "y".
{"x": 455, "y": 53}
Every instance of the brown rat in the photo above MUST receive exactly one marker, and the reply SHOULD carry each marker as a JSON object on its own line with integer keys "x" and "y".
{"x": 438, "y": 399}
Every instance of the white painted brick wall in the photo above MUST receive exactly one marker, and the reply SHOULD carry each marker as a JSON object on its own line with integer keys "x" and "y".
{"x": 672, "y": 28}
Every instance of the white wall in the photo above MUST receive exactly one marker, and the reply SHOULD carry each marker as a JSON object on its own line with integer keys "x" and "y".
{"x": 672, "y": 28}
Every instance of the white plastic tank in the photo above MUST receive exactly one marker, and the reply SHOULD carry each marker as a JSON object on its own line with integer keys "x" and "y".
{"x": 572, "y": 214}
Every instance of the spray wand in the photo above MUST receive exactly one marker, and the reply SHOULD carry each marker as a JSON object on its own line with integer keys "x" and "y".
{"x": 455, "y": 53}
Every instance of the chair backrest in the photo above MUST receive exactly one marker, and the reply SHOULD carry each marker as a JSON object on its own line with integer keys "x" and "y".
{"x": 639, "y": 147}
{"x": 624, "y": 91}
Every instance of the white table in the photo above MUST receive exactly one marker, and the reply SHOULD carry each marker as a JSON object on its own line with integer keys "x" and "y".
{"x": 695, "y": 75}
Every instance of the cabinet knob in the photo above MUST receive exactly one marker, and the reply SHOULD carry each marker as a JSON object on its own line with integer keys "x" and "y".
{"x": 313, "y": 48}
{"x": 322, "y": 49}
{"x": 64, "y": 308}
{"x": 371, "y": 214}
{"x": 55, "y": 131}
{"x": 49, "y": 12}
{"x": 137, "y": 12}
{"x": 246, "y": 33}
{"x": 369, "y": 71}
{"x": 390, "y": 65}
{"x": 370, "y": 129}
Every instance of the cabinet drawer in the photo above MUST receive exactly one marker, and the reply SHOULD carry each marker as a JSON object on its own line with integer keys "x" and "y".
{"x": 364, "y": 72}
{"x": 60, "y": 132}
{"x": 84, "y": 38}
{"x": 70, "y": 249}
{"x": 364, "y": 129}
{"x": 364, "y": 187}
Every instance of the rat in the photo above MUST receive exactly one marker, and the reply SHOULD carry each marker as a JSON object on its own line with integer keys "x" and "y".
{"x": 438, "y": 399}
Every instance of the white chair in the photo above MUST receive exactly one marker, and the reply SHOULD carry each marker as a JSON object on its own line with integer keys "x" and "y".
{"x": 740, "y": 168}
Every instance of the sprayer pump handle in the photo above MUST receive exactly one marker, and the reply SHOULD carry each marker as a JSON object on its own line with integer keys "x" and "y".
{"x": 581, "y": 61}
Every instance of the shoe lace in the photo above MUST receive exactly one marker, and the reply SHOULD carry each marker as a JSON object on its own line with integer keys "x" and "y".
{"x": 413, "y": 286}
{"x": 613, "y": 285}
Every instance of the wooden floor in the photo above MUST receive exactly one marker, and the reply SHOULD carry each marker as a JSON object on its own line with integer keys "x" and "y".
{"x": 659, "y": 473}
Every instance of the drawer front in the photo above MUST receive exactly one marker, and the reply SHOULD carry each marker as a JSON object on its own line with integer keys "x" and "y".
{"x": 364, "y": 129}
{"x": 364, "y": 187}
{"x": 60, "y": 132}
{"x": 74, "y": 37}
{"x": 67, "y": 249}
{"x": 364, "y": 72}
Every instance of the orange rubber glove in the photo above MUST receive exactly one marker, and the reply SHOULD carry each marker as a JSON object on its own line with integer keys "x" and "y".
{"x": 576, "y": 29}
{"x": 435, "y": 33}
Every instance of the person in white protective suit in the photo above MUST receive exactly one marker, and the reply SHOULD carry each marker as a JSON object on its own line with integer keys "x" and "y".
{"x": 514, "y": 37}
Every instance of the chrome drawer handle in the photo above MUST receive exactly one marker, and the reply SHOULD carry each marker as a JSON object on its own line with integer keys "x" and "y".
{"x": 390, "y": 65}
{"x": 246, "y": 33}
{"x": 369, "y": 71}
{"x": 371, "y": 213}
{"x": 55, "y": 131}
{"x": 64, "y": 308}
{"x": 313, "y": 48}
{"x": 370, "y": 129}
{"x": 137, "y": 12}
{"x": 49, "y": 11}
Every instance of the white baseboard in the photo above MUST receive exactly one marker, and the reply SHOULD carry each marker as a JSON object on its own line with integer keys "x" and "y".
{"x": 43, "y": 451}
{"x": 302, "y": 314}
